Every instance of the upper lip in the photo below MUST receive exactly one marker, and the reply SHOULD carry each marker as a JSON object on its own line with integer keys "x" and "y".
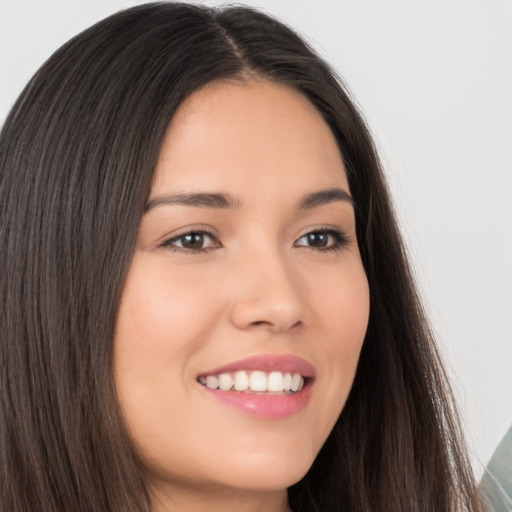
{"x": 267, "y": 363}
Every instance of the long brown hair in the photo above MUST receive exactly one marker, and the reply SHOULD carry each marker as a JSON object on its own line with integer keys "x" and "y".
{"x": 77, "y": 154}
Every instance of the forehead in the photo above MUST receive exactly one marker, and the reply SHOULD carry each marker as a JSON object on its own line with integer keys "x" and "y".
{"x": 254, "y": 136}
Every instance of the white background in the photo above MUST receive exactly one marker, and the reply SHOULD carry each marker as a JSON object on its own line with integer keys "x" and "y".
{"x": 434, "y": 80}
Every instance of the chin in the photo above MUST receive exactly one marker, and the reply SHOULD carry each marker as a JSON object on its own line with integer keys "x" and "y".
{"x": 264, "y": 470}
{"x": 268, "y": 470}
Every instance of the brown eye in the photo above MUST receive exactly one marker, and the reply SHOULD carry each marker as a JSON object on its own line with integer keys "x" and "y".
{"x": 323, "y": 240}
{"x": 317, "y": 239}
{"x": 194, "y": 241}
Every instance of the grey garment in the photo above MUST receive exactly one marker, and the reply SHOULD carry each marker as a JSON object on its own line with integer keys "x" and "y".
{"x": 496, "y": 484}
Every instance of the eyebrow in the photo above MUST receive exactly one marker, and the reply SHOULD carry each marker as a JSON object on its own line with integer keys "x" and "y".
{"x": 219, "y": 200}
{"x": 203, "y": 200}
{"x": 324, "y": 197}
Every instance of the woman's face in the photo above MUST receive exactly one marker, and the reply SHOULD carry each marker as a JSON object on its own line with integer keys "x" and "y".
{"x": 246, "y": 272}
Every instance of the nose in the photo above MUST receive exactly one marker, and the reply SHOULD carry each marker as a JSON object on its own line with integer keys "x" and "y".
{"x": 268, "y": 294}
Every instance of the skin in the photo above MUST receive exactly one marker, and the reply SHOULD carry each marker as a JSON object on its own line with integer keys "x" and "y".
{"x": 258, "y": 286}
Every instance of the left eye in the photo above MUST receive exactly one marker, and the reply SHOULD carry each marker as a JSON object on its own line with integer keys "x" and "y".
{"x": 322, "y": 240}
{"x": 192, "y": 241}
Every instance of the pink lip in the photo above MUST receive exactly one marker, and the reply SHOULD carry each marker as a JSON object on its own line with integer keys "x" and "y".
{"x": 262, "y": 405}
{"x": 267, "y": 363}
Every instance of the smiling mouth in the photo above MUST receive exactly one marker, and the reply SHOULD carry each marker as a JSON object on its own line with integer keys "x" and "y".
{"x": 255, "y": 382}
{"x": 267, "y": 386}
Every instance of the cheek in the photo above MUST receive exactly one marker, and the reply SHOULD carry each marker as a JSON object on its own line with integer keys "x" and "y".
{"x": 162, "y": 321}
{"x": 342, "y": 306}
{"x": 163, "y": 313}
{"x": 348, "y": 312}
{"x": 344, "y": 310}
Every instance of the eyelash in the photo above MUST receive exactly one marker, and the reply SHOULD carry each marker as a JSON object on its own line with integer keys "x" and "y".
{"x": 168, "y": 244}
{"x": 340, "y": 241}
{"x": 340, "y": 238}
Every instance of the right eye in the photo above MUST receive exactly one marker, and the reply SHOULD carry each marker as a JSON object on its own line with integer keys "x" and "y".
{"x": 192, "y": 242}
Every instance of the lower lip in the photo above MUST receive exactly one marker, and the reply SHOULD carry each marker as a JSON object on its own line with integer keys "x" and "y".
{"x": 264, "y": 406}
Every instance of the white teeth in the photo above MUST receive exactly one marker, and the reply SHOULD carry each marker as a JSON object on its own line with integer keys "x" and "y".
{"x": 212, "y": 382}
{"x": 241, "y": 381}
{"x": 296, "y": 379}
{"x": 225, "y": 382}
{"x": 287, "y": 381}
{"x": 256, "y": 381}
{"x": 275, "y": 381}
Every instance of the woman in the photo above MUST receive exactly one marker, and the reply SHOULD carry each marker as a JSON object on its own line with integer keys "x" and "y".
{"x": 206, "y": 302}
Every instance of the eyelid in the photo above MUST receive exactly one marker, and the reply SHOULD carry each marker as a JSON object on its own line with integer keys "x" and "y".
{"x": 168, "y": 242}
{"x": 341, "y": 238}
